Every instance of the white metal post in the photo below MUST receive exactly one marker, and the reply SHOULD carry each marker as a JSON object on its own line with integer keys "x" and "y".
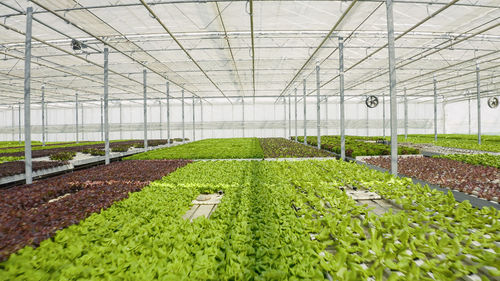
{"x": 194, "y": 122}
{"x": 19, "y": 122}
{"x": 284, "y": 117}
{"x": 183, "y": 129}
{"x": 406, "y": 116}
{"x": 243, "y": 115}
{"x": 305, "y": 111}
{"x": 161, "y": 120}
{"x": 383, "y": 114}
{"x": 201, "y": 119}
{"x": 106, "y": 109}
{"x": 468, "y": 100}
{"x": 435, "y": 110}
{"x": 478, "y": 90}
{"x": 76, "y": 117}
{"x": 102, "y": 120}
{"x": 289, "y": 116}
{"x": 296, "y": 129}
{"x": 145, "y": 105}
{"x": 168, "y": 111}
{"x": 13, "y": 124}
{"x": 326, "y": 116}
{"x": 83, "y": 129}
{"x": 43, "y": 115}
{"x": 121, "y": 123}
{"x": 444, "y": 116}
{"x": 392, "y": 88}
{"x": 341, "y": 87}
{"x": 318, "y": 108}
{"x": 27, "y": 98}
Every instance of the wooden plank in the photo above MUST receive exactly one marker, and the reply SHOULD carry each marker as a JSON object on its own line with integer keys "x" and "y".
{"x": 203, "y": 210}
{"x": 190, "y": 212}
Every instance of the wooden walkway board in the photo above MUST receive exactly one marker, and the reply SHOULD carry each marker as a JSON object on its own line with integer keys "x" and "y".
{"x": 203, "y": 206}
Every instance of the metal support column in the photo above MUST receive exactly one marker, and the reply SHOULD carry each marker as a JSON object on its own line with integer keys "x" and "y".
{"x": 469, "y": 116}
{"x": 121, "y": 123}
{"x": 183, "y": 129}
{"x": 367, "y": 121}
{"x": 305, "y": 111}
{"x": 106, "y": 109}
{"x": 383, "y": 114}
{"x": 201, "y": 119}
{"x": 326, "y": 116}
{"x": 284, "y": 116}
{"x": 435, "y": 110}
{"x": 161, "y": 121}
{"x": 19, "y": 122}
{"x": 102, "y": 120}
{"x": 392, "y": 88}
{"x": 194, "y": 122}
{"x": 76, "y": 117}
{"x": 341, "y": 87}
{"x": 318, "y": 108}
{"x": 83, "y": 132}
{"x": 13, "y": 124}
{"x": 243, "y": 115}
{"x": 43, "y": 115}
{"x": 444, "y": 116}
{"x": 296, "y": 129}
{"x": 478, "y": 90}
{"x": 145, "y": 104}
{"x": 27, "y": 98}
{"x": 406, "y": 116}
{"x": 168, "y": 111}
{"x": 289, "y": 116}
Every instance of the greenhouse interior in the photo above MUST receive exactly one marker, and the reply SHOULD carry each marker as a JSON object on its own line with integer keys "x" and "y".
{"x": 249, "y": 140}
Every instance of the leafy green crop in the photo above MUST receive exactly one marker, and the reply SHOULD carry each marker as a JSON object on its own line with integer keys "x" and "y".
{"x": 357, "y": 145}
{"x": 207, "y": 149}
{"x": 9, "y": 158}
{"x": 475, "y": 159}
{"x": 262, "y": 230}
{"x": 488, "y": 143}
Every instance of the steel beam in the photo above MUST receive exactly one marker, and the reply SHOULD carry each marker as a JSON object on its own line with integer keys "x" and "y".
{"x": 341, "y": 89}
{"x": 392, "y": 88}
{"x": 145, "y": 109}
{"x": 28, "y": 169}
{"x": 161, "y": 120}
{"x": 106, "y": 109}
{"x": 83, "y": 129}
{"x": 468, "y": 100}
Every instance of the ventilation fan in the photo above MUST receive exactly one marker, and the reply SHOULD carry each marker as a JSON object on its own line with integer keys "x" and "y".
{"x": 371, "y": 101}
{"x": 493, "y": 102}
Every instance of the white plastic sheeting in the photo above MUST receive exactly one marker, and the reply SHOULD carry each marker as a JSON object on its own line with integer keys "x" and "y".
{"x": 206, "y": 48}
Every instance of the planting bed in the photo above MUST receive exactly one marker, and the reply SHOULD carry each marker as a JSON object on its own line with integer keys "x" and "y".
{"x": 207, "y": 149}
{"x": 283, "y": 148}
{"x": 17, "y": 167}
{"x": 465, "y": 142}
{"x": 481, "y": 181}
{"x": 276, "y": 221}
{"x": 357, "y": 146}
{"x": 32, "y": 213}
{"x": 44, "y": 152}
{"x": 487, "y": 160}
